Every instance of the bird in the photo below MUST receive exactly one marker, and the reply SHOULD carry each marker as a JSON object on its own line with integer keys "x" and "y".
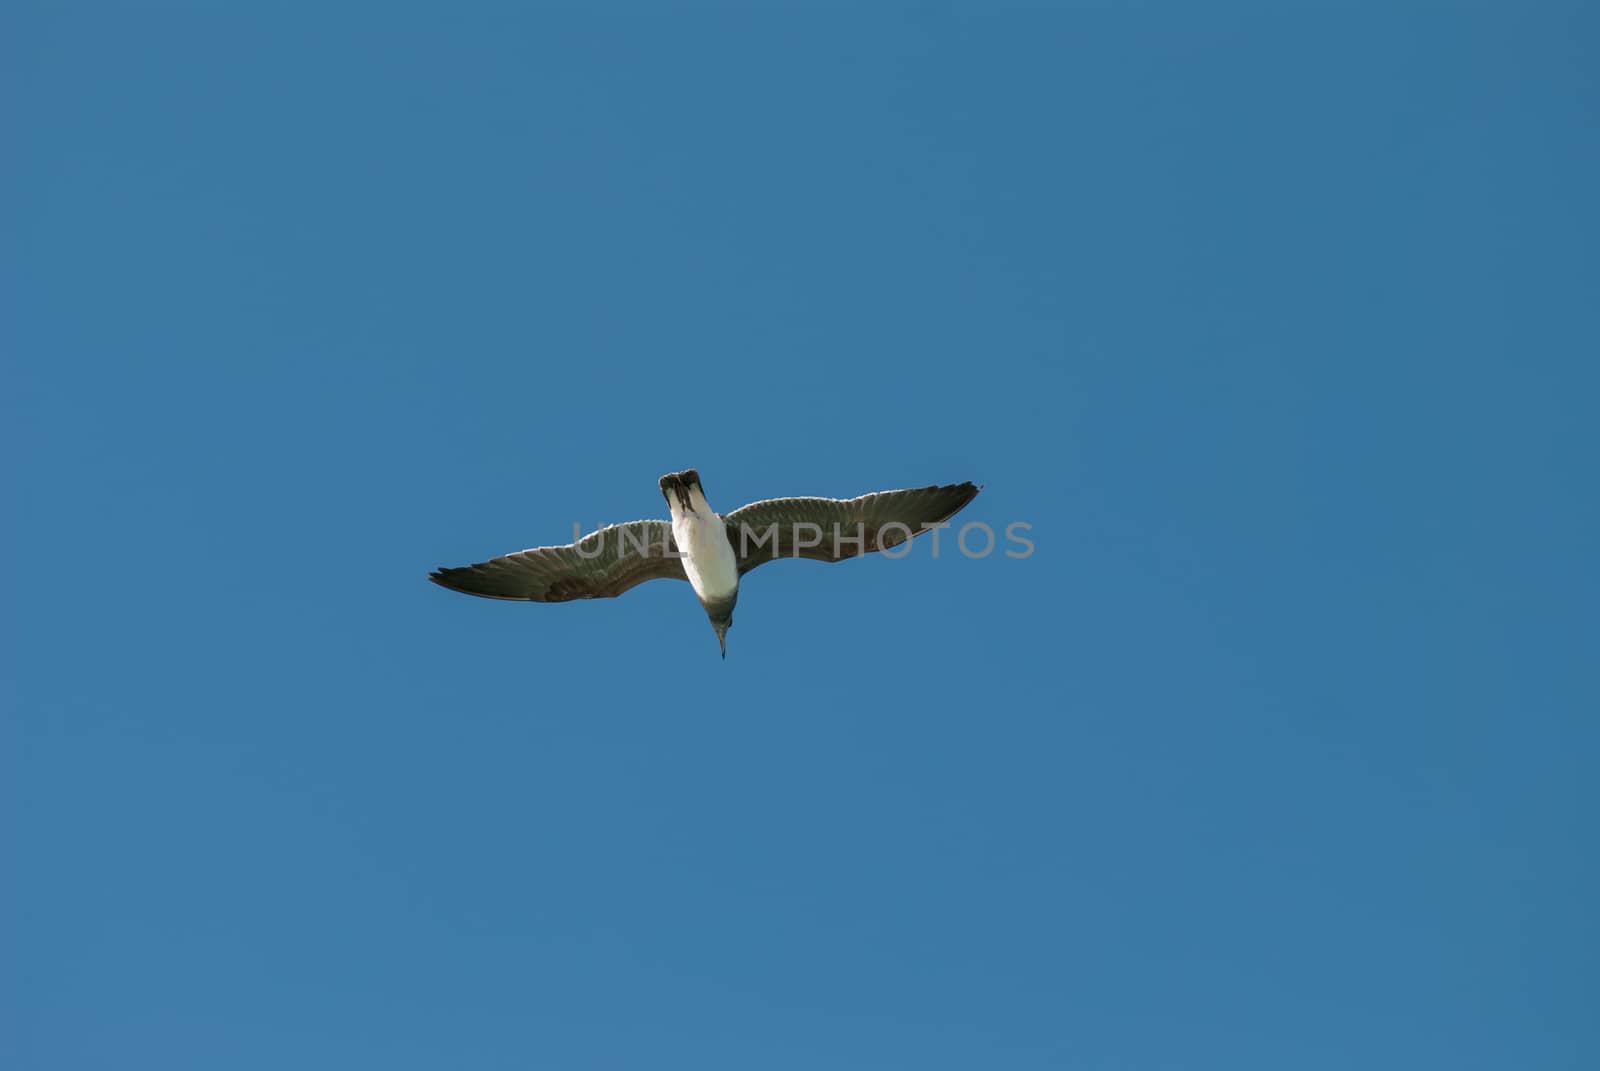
{"x": 712, "y": 551}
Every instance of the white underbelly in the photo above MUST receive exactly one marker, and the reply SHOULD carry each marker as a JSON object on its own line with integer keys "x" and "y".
{"x": 707, "y": 555}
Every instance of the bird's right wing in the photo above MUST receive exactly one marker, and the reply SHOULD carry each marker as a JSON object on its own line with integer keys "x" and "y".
{"x": 601, "y": 565}
{"x": 833, "y": 529}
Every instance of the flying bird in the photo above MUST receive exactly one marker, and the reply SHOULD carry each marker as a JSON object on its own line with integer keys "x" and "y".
{"x": 712, "y": 551}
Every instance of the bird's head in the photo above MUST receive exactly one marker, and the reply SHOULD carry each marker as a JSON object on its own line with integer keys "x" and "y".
{"x": 720, "y": 611}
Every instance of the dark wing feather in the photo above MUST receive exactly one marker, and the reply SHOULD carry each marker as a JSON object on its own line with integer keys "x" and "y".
{"x": 777, "y": 528}
{"x": 601, "y": 565}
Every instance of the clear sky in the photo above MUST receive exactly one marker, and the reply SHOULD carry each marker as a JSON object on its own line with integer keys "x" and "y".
{"x": 1279, "y": 328}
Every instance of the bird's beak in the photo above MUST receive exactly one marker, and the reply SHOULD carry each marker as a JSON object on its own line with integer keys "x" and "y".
{"x": 722, "y": 640}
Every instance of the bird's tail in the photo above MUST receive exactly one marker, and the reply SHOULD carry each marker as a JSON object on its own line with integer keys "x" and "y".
{"x": 682, "y": 492}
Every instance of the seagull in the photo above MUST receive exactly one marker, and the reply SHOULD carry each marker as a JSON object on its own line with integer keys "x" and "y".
{"x": 712, "y": 551}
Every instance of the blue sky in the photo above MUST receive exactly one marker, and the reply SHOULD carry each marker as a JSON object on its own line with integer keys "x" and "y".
{"x": 1277, "y": 326}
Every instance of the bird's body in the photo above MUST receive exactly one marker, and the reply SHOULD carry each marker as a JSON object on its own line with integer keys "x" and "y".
{"x": 702, "y": 536}
{"x": 711, "y": 551}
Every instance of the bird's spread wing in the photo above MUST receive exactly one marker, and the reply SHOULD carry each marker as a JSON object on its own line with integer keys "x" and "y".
{"x": 833, "y": 529}
{"x": 601, "y": 565}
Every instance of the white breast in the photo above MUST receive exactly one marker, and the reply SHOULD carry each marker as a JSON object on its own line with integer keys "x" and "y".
{"x": 708, "y": 556}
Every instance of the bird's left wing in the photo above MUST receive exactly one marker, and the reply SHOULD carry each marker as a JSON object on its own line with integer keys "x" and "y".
{"x": 833, "y": 529}
{"x": 601, "y": 565}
